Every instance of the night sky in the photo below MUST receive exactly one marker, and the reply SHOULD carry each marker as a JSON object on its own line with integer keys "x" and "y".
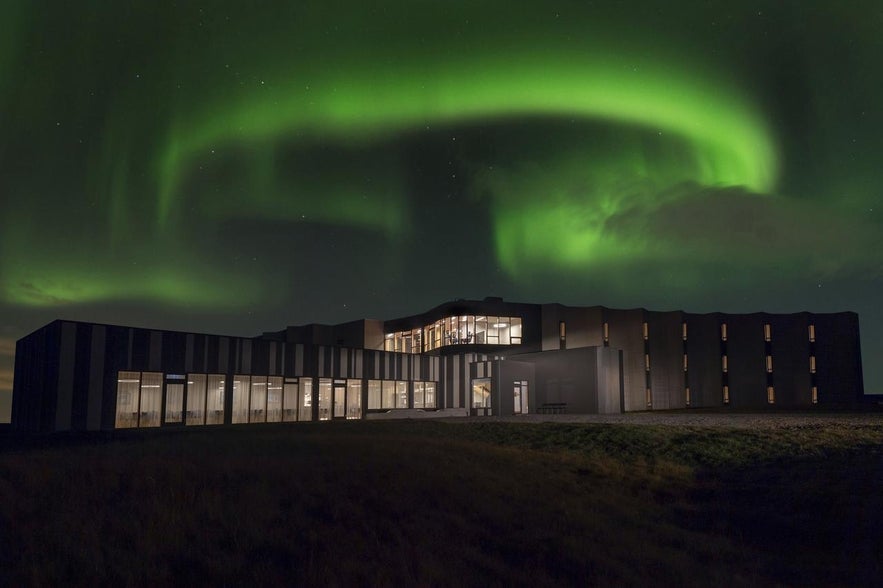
{"x": 236, "y": 167}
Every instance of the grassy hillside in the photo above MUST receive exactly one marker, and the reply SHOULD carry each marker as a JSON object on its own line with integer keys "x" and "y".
{"x": 435, "y": 503}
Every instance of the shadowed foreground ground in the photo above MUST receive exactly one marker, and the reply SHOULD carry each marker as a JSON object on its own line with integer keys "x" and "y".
{"x": 441, "y": 503}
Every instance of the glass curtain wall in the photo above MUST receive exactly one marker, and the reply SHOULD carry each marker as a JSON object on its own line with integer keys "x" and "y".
{"x": 419, "y": 394}
{"x": 195, "y": 414}
{"x": 457, "y": 330}
{"x": 429, "y": 394}
{"x": 174, "y": 402}
{"x": 274, "y": 399}
{"x": 325, "y": 394}
{"x": 214, "y": 399}
{"x": 306, "y": 399}
{"x": 151, "y": 399}
{"x": 289, "y": 400}
{"x": 374, "y": 389}
{"x": 389, "y": 394}
{"x": 241, "y": 385}
{"x": 401, "y": 394}
{"x": 258, "y": 402}
{"x": 354, "y": 399}
{"x": 128, "y": 395}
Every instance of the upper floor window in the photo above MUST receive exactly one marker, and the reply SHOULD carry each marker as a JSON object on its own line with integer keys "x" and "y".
{"x": 457, "y": 330}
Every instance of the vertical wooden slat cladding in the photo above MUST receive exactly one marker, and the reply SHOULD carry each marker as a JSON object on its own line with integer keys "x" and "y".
{"x": 789, "y": 346}
{"x": 666, "y": 346}
{"x": 81, "y": 371}
{"x": 96, "y": 378}
{"x": 705, "y": 376}
{"x": 746, "y": 358}
{"x": 65, "y": 389}
{"x": 626, "y": 333}
{"x": 838, "y": 358}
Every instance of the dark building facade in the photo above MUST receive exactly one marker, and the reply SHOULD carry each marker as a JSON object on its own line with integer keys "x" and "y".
{"x": 487, "y": 357}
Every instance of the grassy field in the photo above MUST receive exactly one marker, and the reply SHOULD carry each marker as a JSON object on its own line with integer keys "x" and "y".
{"x": 436, "y": 503}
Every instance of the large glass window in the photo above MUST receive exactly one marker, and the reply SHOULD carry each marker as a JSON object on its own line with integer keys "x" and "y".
{"x": 389, "y": 394}
{"x": 195, "y": 400}
{"x": 289, "y": 400}
{"x": 419, "y": 394}
{"x": 520, "y": 396}
{"x": 240, "y": 399}
{"x": 214, "y": 400}
{"x": 339, "y": 399}
{"x": 151, "y": 399}
{"x": 274, "y": 399}
{"x": 174, "y": 402}
{"x": 429, "y": 394}
{"x": 324, "y": 399}
{"x": 306, "y": 399}
{"x": 354, "y": 399}
{"x": 258, "y": 402}
{"x": 128, "y": 393}
{"x": 374, "y": 388}
{"x": 481, "y": 393}
{"x": 457, "y": 330}
{"x": 401, "y": 394}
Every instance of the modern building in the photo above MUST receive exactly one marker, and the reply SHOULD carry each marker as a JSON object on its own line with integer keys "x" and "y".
{"x": 465, "y": 357}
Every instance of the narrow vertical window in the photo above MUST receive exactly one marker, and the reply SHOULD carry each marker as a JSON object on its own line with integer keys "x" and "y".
{"x": 767, "y": 332}
{"x": 812, "y": 364}
{"x": 128, "y": 396}
{"x": 606, "y": 332}
{"x": 562, "y": 335}
{"x": 649, "y": 398}
{"x": 812, "y": 333}
{"x": 770, "y": 394}
{"x": 647, "y": 362}
{"x": 687, "y": 394}
{"x": 726, "y": 394}
{"x": 685, "y": 362}
{"x": 724, "y": 363}
{"x": 769, "y": 363}
{"x": 646, "y": 331}
{"x": 815, "y": 395}
{"x": 684, "y": 331}
{"x": 723, "y": 331}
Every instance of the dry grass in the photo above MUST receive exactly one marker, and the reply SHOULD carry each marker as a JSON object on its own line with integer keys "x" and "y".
{"x": 429, "y": 503}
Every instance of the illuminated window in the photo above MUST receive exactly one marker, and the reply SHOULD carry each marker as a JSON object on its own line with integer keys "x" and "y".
{"x": 354, "y": 399}
{"x": 812, "y": 333}
{"x": 684, "y": 331}
{"x": 195, "y": 414}
{"x": 815, "y": 395}
{"x": 305, "y": 393}
{"x": 723, "y": 331}
{"x": 647, "y": 362}
{"x": 606, "y": 332}
{"x": 562, "y": 335}
{"x": 374, "y": 395}
{"x": 151, "y": 399}
{"x": 258, "y": 404}
{"x": 419, "y": 395}
{"x": 214, "y": 399}
{"x": 401, "y": 394}
{"x": 812, "y": 364}
{"x": 649, "y": 398}
{"x": 685, "y": 362}
{"x": 770, "y": 394}
{"x": 726, "y": 394}
{"x": 274, "y": 399}
{"x": 174, "y": 401}
{"x": 687, "y": 394}
{"x": 646, "y": 331}
{"x": 241, "y": 387}
{"x": 389, "y": 394}
{"x": 481, "y": 393}
{"x": 324, "y": 399}
{"x": 767, "y": 332}
{"x": 724, "y": 363}
{"x": 769, "y": 363}
{"x": 429, "y": 394}
{"x": 128, "y": 395}
{"x": 289, "y": 400}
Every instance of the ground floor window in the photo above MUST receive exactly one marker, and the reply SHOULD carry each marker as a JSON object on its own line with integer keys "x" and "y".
{"x": 274, "y": 399}
{"x": 214, "y": 399}
{"x": 241, "y": 389}
{"x": 374, "y": 397}
{"x": 139, "y": 399}
{"x": 324, "y": 399}
{"x": 195, "y": 412}
{"x": 354, "y": 399}
{"x": 520, "y": 396}
{"x": 481, "y": 393}
{"x": 289, "y": 400}
{"x": 306, "y": 399}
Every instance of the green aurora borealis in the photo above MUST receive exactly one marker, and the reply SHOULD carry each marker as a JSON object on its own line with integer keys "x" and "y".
{"x": 230, "y": 167}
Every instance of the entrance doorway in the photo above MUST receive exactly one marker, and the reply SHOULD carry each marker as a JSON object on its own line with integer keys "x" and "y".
{"x": 520, "y": 395}
{"x": 481, "y": 397}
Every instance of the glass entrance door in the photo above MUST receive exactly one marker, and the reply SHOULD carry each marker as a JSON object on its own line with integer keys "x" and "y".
{"x": 481, "y": 397}
{"x": 339, "y": 400}
{"x": 519, "y": 393}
